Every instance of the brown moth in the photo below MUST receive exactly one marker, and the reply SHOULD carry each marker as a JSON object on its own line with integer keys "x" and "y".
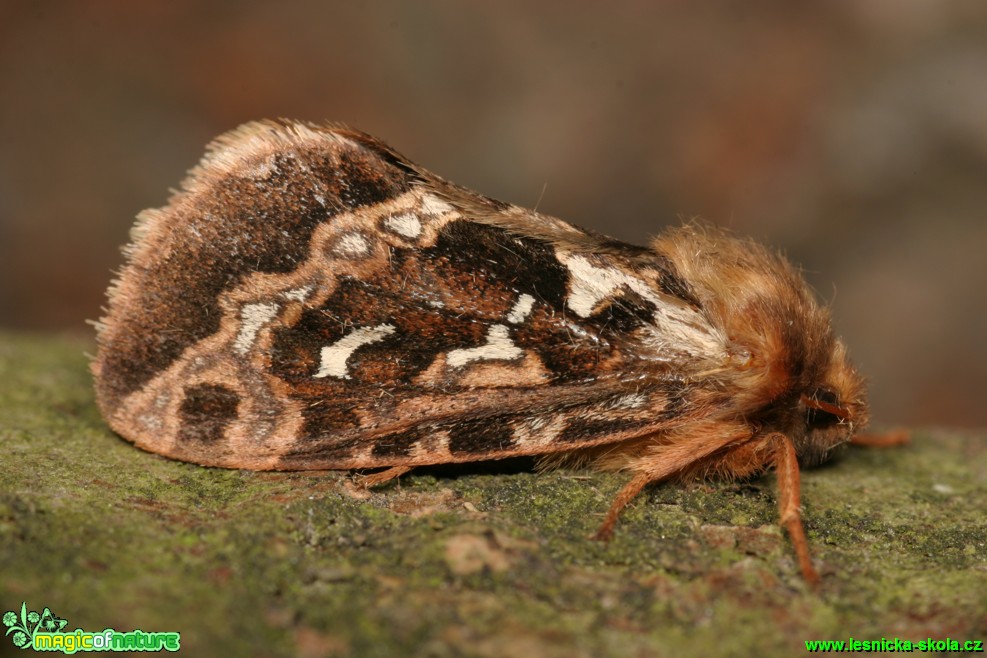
{"x": 312, "y": 300}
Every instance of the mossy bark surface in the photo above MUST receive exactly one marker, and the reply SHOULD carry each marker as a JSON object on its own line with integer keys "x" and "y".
{"x": 476, "y": 561}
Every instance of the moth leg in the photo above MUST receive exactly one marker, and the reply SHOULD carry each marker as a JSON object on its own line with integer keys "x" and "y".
{"x": 386, "y": 475}
{"x": 670, "y": 459}
{"x": 789, "y": 485}
{"x": 896, "y": 437}
{"x": 626, "y": 495}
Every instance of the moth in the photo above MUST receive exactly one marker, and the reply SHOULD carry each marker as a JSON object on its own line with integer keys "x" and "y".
{"x": 310, "y": 299}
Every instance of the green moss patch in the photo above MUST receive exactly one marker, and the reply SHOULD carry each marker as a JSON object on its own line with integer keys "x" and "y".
{"x": 473, "y": 561}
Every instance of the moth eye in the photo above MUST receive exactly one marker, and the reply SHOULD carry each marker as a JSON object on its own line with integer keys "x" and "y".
{"x": 823, "y": 409}
{"x": 826, "y": 396}
{"x": 817, "y": 418}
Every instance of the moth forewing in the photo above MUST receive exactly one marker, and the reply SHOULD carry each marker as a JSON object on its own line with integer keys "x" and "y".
{"x": 310, "y": 299}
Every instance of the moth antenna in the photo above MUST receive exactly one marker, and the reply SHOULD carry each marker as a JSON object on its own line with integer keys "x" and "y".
{"x": 840, "y": 412}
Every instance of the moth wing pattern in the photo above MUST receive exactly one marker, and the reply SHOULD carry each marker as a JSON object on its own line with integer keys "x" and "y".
{"x": 310, "y": 299}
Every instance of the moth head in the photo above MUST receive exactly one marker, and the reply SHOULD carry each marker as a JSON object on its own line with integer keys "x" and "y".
{"x": 787, "y": 369}
{"x": 830, "y": 407}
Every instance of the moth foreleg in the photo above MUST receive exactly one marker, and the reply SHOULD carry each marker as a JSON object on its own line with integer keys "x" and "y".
{"x": 896, "y": 437}
{"x": 789, "y": 485}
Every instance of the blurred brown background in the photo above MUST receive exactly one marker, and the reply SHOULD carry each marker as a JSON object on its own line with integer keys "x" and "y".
{"x": 853, "y": 135}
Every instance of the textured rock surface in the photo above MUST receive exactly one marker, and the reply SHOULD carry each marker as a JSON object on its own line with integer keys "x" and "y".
{"x": 485, "y": 562}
